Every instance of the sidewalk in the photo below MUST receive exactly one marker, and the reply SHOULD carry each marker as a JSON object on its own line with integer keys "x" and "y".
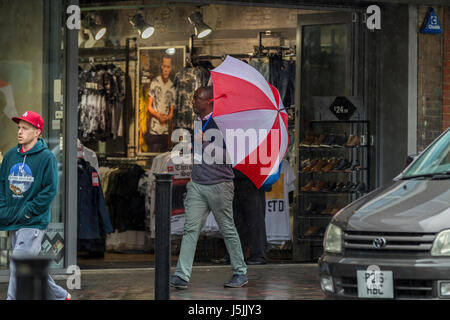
{"x": 268, "y": 282}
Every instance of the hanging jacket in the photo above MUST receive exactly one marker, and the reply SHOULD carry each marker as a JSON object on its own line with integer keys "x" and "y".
{"x": 93, "y": 217}
{"x": 28, "y": 185}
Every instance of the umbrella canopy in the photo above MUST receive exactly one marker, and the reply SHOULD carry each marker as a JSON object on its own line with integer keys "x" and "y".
{"x": 251, "y": 117}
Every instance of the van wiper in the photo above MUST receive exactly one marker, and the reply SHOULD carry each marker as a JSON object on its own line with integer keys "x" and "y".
{"x": 434, "y": 176}
{"x": 442, "y": 175}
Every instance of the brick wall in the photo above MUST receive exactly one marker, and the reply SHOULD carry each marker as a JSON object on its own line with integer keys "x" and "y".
{"x": 446, "y": 71}
{"x": 429, "y": 82}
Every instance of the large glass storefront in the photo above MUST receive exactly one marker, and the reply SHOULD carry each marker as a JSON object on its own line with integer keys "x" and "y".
{"x": 32, "y": 78}
{"x": 95, "y": 84}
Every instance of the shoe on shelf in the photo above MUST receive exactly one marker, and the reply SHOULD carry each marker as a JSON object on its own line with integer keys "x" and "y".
{"x": 256, "y": 261}
{"x": 223, "y": 260}
{"x": 308, "y": 186}
{"x": 354, "y": 166}
{"x": 319, "y": 165}
{"x": 347, "y": 187}
{"x": 328, "y": 209}
{"x": 178, "y": 283}
{"x": 319, "y": 187}
{"x": 237, "y": 281}
{"x": 359, "y": 187}
{"x": 329, "y": 141}
{"x": 352, "y": 142}
{"x": 340, "y": 140}
{"x": 311, "y": 165}
{"x": 309, "y": 139}
{"x": 304, "y": 163}
{"x": 311, "y": 231}
{"x": 318, "y": 141}
{"x": 330, "y": 165}
{"x": 342, "y": 163}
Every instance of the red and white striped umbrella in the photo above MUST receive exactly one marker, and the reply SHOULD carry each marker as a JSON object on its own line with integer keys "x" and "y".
{"x": 245, "y": 105}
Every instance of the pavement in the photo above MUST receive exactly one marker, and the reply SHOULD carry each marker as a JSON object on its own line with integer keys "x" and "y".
{"x": 287, "y": 281}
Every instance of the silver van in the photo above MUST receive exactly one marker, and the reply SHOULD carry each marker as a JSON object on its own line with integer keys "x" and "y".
{"x": 394, "y": 243}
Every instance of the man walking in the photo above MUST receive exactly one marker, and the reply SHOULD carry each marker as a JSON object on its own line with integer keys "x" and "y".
{"x": 28, "y": 185}
{"x": 210, "y": 189}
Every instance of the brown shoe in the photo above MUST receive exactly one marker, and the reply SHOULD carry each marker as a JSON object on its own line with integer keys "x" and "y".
{"x": 320, "y": 186}
{"x": 319, "y": 165}
{"x": 335, "y": 210}
{"x": 312, "y": 230}
{"x": 330, "y": 165}
{"x": 318, "y": 141}
{"x": 310, "y": 165}
{"x": 309, "y": 139}
{"x": 353, "y": 141}
{"x": 307, "y": 187}
{"x": 328, "y": 209}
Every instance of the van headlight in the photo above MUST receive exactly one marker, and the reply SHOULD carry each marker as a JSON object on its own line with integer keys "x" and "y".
{"x": 332, "y": 242}
{"x": 441, "y": 245}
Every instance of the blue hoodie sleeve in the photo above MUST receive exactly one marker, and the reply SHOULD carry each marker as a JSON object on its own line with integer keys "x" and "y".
{"x": 49, "y": 187}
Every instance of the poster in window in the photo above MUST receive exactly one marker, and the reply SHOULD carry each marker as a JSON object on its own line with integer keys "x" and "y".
{"x": 157, "y": 67}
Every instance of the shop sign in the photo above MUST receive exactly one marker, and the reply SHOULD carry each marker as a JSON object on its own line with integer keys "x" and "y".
{"x": 342, "y": 108}
{"x": 431, "y": 23}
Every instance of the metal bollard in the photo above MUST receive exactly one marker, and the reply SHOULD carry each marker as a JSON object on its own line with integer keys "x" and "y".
{"x": 163, "y": 206}
{"x": 31, "y": 277}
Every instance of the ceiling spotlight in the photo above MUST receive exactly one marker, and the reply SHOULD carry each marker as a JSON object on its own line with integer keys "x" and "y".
{"x": 201, "y": 28}
{"x": 170, "y": 51}
{"x": 93, "y": 23}
{"x": 144, "y": 29}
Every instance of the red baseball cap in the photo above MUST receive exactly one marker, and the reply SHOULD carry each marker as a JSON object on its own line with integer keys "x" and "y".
{"x": 32, "y": 118}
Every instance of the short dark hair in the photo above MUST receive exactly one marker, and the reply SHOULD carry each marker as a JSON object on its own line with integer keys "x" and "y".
{"x": 209, "y": 91}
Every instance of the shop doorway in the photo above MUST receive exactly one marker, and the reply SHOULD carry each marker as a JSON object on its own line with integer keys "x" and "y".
{"x": 332, "y": 125}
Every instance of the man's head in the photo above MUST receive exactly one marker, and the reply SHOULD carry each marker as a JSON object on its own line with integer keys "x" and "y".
{"x": 30, "y": 127}
{"x": 201, "y": 101}
{"x": 166, "y": 68}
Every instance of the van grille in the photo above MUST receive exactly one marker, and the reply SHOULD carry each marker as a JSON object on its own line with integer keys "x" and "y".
{"x": 403, "y": 288}
{"x": 395, "y": 242}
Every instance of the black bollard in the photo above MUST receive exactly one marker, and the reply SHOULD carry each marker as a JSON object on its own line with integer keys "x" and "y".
{"x": 163, "y": 209}
{"x": 31, "y": 277}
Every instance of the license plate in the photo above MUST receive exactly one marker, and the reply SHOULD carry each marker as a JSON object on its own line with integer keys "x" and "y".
{"x": 374, "y": 283}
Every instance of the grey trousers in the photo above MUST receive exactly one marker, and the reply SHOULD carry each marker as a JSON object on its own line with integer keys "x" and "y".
{"x": 28, "y": 241}
{"x": 201, "y": 199}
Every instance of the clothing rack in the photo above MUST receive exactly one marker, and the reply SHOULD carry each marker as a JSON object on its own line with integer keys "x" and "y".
{"x": 111, "y": 55}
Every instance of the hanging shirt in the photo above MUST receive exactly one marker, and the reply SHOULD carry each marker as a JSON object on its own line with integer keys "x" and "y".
{"x": 163, "y": 95}
{"x": 277, "y": 206}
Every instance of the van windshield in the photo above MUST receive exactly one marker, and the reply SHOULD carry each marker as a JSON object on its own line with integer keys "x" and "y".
{"x": 434, "y": 161}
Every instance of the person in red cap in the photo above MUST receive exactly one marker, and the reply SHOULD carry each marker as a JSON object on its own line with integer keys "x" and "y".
{"x": 28, "y": 185}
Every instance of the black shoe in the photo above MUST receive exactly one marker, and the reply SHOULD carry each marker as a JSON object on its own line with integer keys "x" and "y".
{"x": 224, "y": 260}
{"x": 347, "y": 187}
{"x": 254, "y": 262}
{"x": 329, "y": 141}
{"x": 178, "y": 283}
{"x": 340, "y": 140}
{"x": 237, "y": 281}
{"x": 359, "y": 187}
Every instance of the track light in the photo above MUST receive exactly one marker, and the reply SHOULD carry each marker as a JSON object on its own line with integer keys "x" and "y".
{"x": 144, "y": 29}
{"x": 201, "y": 29}
{"x": 93, "y": 24}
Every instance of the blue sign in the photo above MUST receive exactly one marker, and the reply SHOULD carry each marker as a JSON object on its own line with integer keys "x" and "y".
{"x": 431, "y": 23}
